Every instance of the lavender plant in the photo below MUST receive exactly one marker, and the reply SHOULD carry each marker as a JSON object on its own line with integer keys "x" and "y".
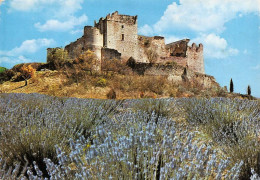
{"x": 129, "y": 148}
{"x": 233, "y": 125}
{"x": 31, "y": 125}
{"x": 56, "y": 138}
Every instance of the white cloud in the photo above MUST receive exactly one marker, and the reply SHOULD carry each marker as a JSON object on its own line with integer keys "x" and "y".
{"x": 62, "y": 7}
{"x": 170, "y": 39}
{"x": 56, "y": 25}
{"x": 202, "y": 16}
{"x": 23, "y": 5}
{"x": 69, "y": 7}
{"x": 146, "y": 30}
{"x": 215, "y": 46}
{"x": 17, "y": 54}
{"x": 76, "y": 31}
{"x": 29, "y": 46}
{"x": 11, "y": 61}
{"x": 62, "y": 12}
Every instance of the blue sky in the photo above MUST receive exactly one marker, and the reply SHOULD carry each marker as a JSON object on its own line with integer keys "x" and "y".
{"x": 228, "y": 29}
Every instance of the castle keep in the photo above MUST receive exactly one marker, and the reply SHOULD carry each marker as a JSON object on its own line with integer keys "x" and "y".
{"x": 115, "y": 36}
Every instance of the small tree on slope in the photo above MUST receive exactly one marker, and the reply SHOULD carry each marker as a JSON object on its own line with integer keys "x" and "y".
{"x": 27, "y": 73}
{"x": 231, "y": 88}
{"x": 248, "y": 90}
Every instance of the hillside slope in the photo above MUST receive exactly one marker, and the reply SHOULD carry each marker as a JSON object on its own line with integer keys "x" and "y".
{"x": 98, "y": 86}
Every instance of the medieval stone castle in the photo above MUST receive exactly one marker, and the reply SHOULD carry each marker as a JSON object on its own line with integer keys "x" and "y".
{"x": 115, "y": 36}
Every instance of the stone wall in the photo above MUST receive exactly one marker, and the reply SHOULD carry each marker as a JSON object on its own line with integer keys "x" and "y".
{"x": 175, "y": 73}
{"x": 178, "y": 48}
{"x": 91, "y": 40}
{"x": 107, "y": 53}
{"x": 75, "y": 48}
{"x": 147, "y": 45}
{"x": 164, "y": 70}
{"x": 185, "y": 55}
{"x": 158, "y": 45}
{"x": 181, "y": 61}
{"x": 205, "y": 80}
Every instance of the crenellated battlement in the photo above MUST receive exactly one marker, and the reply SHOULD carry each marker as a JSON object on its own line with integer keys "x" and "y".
{"x": 121, "y": 18}
{"x": 196, "y": 48}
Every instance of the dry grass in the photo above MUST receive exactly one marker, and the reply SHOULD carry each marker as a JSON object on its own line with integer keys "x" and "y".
{"x": 89, "y": 86}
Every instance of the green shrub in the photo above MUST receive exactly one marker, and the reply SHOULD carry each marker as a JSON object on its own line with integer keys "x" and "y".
{"x": 57, "y": 57}
{"x": 2, "y": 69}
{"x": 101, "y": 82}
{"x": 7, "y": 75}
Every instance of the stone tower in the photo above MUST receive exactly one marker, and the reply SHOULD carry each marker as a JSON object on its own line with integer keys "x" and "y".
{"x": 120, "y": 33}
{"x": 112, "y": 37}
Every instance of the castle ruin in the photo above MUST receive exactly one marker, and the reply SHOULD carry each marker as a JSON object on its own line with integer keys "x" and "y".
{"x": 115, "y": 36}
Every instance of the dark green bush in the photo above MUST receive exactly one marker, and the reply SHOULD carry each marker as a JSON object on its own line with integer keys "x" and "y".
{"x": 2, "y": 69}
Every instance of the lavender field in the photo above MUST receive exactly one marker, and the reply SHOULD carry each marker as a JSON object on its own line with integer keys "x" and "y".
{"x": 44, "y": 137}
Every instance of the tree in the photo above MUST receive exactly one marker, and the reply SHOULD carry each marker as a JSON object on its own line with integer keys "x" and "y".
{"x": 111, "y": 94}
{"x": 248, "y": 90}
{"x": 57, "y": 57}
{"x": 114, "y": 65}
{"x": 231, "y": 88}
{"x": 2, "y": 69}
{"x": 87, "y": 61}
{"x": 152, "y": 55}
{"x": 27, "y": 72}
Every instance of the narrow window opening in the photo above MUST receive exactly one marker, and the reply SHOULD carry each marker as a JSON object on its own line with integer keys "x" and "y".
{"x": 123, "y": 37}
{"x": 122, "y": 26}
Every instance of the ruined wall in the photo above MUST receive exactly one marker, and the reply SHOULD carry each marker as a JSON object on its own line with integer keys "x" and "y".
{"x": 158, "y": 44}
{"x": 185, "y": 55}
{"x": 164, "y": 70}
{"x": 75, "y": 48}
{"x": 178, "y": 48}
{"x": 206, "y": 81}
{"x": 177, "y": 52}
{"x": 195, "y": 60}
{"x": 148, "y": 45}
{"x": 181, "y": 61}
{"x": 176, "y": 74}
{"x": 107, "y": 53}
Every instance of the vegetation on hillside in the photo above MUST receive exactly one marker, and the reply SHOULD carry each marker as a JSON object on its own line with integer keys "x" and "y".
{"x": 2, "y": 69}
{"x": 60, "y": 138}
{"x": 81, "y": 77}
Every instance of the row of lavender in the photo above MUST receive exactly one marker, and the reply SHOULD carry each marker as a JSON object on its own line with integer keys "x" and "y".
{"x": 58, "y": 138}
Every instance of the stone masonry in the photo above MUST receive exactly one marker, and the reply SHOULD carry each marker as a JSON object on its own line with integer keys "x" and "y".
{"x": 115, "y": 36}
